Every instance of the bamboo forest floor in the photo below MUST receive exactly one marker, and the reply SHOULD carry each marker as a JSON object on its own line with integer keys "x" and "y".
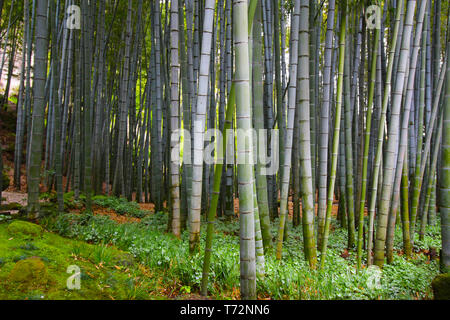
{"x": 124, "y": 252}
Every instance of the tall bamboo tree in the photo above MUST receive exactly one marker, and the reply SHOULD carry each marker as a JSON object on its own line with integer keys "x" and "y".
{"x": 174, "y": 119}
{"x": 37, "y": 129}
{"x": 337, "y": 128}
{"x": 306, "y": 177}
{"x": 244, "y": 151}
{"x": 199, "y": 127}
{"x": 292, "y": 96}
{"x": 445, "y": 176}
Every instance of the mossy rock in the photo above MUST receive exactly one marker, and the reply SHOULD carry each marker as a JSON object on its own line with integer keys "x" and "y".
{"x": 441, "y": 287}
{"x": 25, "y": 229}
{"x": 5, "y": 181}
{"x": 30, "y": 272}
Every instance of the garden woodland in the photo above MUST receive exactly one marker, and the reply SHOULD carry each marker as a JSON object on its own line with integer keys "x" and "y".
{"x": 110, "y": 105}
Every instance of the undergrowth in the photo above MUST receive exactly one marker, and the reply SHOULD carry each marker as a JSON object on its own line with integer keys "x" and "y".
{"x": 120, "y": 206}
{"x": 290, "y": 278}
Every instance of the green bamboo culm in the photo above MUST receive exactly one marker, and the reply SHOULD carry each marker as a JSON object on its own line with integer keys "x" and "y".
{"x": 244, "y": 151}
{"x": 231, "y": 107}
{"x": 402, "y": 159}
{"x": 349, "y": 172}
{"x": 37, "y": 128}
{"x": 215, "y": 194}
{"x": 392, "y": 143}
{"x": 324, "y": 124}
{"x": 57, "y": 111}
{"x": 416, "y": 178}
{"x": 257, "y": 87}
{"x": 292, "y": 94}
{"x": 381, "y": 128}
{"x": 306, "y": 174}
{"x": 337, "y": 128}
{"x": 199, "y": 129}
{"x": 258, "y": 123}
{"x": 445, "y": 176}
{"x": 174, "y": 123}
{"x": 431, "y": 180}
{"x": 373, "y": 72}
{"x": 86, "y": 6}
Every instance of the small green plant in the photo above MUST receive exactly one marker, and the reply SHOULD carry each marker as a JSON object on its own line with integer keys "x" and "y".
{"x": 185, "y": 289}
{"x": 134, "y": 290}
{"x": 4, "y": 218}
{"x": 102, "y": 254}
{"x": 71, "y": 203}
{"x": 80, "y": 250}
{"x": 47, "y": 196}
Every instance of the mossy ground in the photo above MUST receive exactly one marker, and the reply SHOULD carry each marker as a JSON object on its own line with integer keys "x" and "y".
{"x": 138, "y": 259}
{"x": 106, "y": 273}
{"x": 24, "y": 229}
{"x": 29, "y": 274}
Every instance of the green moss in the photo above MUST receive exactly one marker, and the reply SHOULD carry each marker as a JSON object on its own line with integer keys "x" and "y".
{"x": 441, "y": 287}
{"x": 30, "y": 272}
{"x": 99, "y": 280}
{"x": 25, "y": 229}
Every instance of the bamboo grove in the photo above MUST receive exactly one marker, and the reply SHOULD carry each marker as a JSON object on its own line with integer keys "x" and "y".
{"x": 352, "y": 98}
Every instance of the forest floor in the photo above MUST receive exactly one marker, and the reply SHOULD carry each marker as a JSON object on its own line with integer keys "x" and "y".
{"x": 124, "y": 252}
{"x": 129, "y": 255}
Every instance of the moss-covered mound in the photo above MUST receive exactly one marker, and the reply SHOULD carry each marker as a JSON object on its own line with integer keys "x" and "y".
{"x": 30, "y": 272}
{"x": 441, "y": 287}
{"x": 25, "y": 229}
{"x": 5, "y": 181}
{"x": 22, "y": 260}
